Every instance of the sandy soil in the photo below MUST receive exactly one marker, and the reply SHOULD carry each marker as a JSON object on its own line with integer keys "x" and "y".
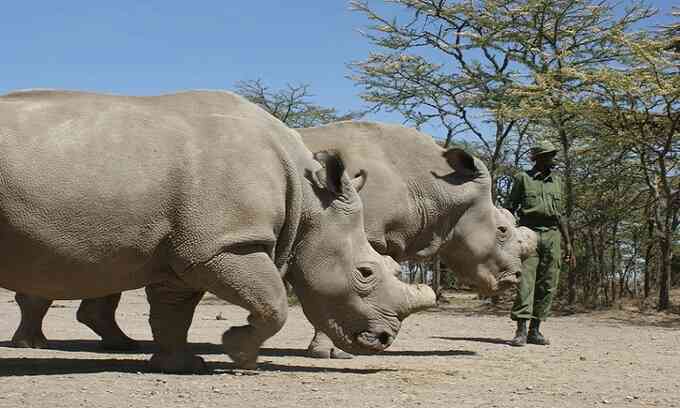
{"x": 455, "y": 356}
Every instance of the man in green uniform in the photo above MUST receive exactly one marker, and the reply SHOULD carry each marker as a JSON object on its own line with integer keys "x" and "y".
{"x": 536, "y": 196}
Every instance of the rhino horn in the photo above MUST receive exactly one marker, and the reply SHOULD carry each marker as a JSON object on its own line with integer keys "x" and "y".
{"x": 417, "y": 298}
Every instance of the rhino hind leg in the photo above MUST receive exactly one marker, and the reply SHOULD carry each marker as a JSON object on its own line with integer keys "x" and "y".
{"x": 252, "y": 281}
{"x": 99, "y": 314}
{"x": 172, "y": 310}
{"x": 321, "y": 346}
{"x": 29, "y": 334}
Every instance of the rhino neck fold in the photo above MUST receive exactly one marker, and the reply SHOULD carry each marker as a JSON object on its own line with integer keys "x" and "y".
{"x": 438, "y": 206}
{"x": 287, "y": 237}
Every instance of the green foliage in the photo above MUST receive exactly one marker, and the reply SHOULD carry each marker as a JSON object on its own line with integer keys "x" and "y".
{"x": 591, "y": 76}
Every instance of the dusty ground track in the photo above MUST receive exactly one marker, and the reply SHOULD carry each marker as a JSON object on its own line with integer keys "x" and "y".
{"x": 456, "y": 356}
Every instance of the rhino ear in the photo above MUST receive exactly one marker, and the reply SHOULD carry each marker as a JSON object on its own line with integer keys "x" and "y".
{"x": 461, "y": 161}
{"x": 359, "y": 180}
{"x": 330, "y": 176}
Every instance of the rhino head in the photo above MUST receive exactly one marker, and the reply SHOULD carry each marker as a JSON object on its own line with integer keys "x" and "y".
{"x": 485, "y": 247}
{"x": 348, "y": 290}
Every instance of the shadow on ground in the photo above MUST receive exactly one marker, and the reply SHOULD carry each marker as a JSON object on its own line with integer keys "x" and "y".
{"x": 476, "y": 339}
{"x": 149, "y": 347}
{"x": 11, "y": 367}
{"x": 429, "y": 353}
{"x": 92, "y": 346}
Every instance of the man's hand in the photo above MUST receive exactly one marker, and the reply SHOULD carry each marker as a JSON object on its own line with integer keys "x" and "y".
{"x": 569, "y": 257}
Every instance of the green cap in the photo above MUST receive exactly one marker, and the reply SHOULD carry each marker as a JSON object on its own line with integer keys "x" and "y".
{"x": 542, "y": 147}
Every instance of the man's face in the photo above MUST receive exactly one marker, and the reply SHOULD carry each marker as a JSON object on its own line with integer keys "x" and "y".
{"x": 545, "y": 161}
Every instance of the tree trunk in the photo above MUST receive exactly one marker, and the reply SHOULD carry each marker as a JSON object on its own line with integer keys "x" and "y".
{"x": 588, "y": 270}
{"x": 614, "y": 263}
{"x": 569, "y": 205}
{"x": 666, "y": 255}
{"x": 648, "y": 257}
{"x": 622, "y": 284}
{"x": 601, "y": 270}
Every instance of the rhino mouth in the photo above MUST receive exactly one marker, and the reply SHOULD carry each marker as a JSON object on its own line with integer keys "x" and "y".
{"x": 374, "y": 342}
{"x": 507, "y": 280}
{"x": 510, "y": 277}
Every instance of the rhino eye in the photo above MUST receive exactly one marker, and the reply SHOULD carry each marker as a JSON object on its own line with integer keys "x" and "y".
{"x": 364, "y": 280}
{"x": 365, "y": 272}
{"x": 503, "y": 230}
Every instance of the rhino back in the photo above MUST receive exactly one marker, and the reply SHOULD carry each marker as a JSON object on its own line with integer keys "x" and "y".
{"x": 402, "y": 197}
{"x": 98, "y": 193}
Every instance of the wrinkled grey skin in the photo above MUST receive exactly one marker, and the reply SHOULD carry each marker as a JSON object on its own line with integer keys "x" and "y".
{"x": 419, "y": 200}
{"x": 187, "y": 193}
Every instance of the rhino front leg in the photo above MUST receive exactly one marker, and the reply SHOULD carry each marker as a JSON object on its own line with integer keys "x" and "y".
{"x": 29, "y": 334}
{"x": 99, "y": 314}
{"x": 172, "y": 310}
{"x": 321, "y": 346}
{"x": 252, "y": 281}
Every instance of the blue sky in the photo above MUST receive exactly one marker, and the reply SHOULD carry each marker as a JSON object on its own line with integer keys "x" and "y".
{"x": 149, "y": 47}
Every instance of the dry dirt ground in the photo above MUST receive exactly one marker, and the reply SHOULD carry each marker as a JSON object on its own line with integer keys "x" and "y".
{"x": 455, "y": 356}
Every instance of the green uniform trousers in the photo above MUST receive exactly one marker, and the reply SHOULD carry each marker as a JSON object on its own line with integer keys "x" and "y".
{"x": 540, "y": 274}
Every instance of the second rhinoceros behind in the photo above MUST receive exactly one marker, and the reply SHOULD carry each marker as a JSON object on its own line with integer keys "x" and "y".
{"x": 186, "y": 193}
{"x": 423, "y": 200}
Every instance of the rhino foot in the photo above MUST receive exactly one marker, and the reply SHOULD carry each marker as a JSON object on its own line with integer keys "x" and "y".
{"x": 34, "y": 340}
{"x": 239, "y": 345}
{"x": 99, "y": 315}
{"x": 337, "y": 354}
{"x": 177, "y": 363}
{"x": 328, "y": 353}
{"x": 29, "y": 334}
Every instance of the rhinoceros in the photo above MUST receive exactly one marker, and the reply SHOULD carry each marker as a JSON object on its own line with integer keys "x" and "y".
{"x": 420, "y": 200}
{"x": 183, "y": 194}
{"x": 423, "y": 200}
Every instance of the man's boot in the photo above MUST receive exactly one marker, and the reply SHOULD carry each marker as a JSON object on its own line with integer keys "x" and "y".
{"x": 535, "y": 336}
{"x": 521, "y": 334}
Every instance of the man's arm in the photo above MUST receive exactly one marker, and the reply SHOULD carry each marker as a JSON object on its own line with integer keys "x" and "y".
{"x": 568, "y": 248}
{"x": 514, "y": 199}
{"x": 564, "y": 230}
{"x": 562, "y": 222}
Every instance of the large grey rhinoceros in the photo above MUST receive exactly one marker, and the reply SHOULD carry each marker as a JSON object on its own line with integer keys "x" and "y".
{"x": 419, "y": 200}
{"x": 422, "y": 200}
{"x": 187, "y": 193}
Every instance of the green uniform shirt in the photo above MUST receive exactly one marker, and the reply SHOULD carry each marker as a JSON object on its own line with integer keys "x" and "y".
{"x": 538, "y": 197}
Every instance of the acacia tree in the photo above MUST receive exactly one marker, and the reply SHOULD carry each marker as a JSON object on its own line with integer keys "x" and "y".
{"x": 640, "y": 103}
{"x": 497, "y": 70}
{"x": 610, "y": 199}
{"x": 291, "y": 105}
{"x": 558, "y": 45}
{"x": 444, "y": 66}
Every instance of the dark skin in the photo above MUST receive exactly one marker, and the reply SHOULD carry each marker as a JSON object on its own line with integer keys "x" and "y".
{"x": 544, "y": 163}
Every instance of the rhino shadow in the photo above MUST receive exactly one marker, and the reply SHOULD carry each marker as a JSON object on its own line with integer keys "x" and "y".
{"x": 92, "y": 346}
{"x": 425, "y": 353}
{"x": 150, "y": 347}
{"x": 145, "y": 347}
{"x": 14, "y": 367}
{"x": 490, "y": 340}
{"x": 283, "y": 352}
